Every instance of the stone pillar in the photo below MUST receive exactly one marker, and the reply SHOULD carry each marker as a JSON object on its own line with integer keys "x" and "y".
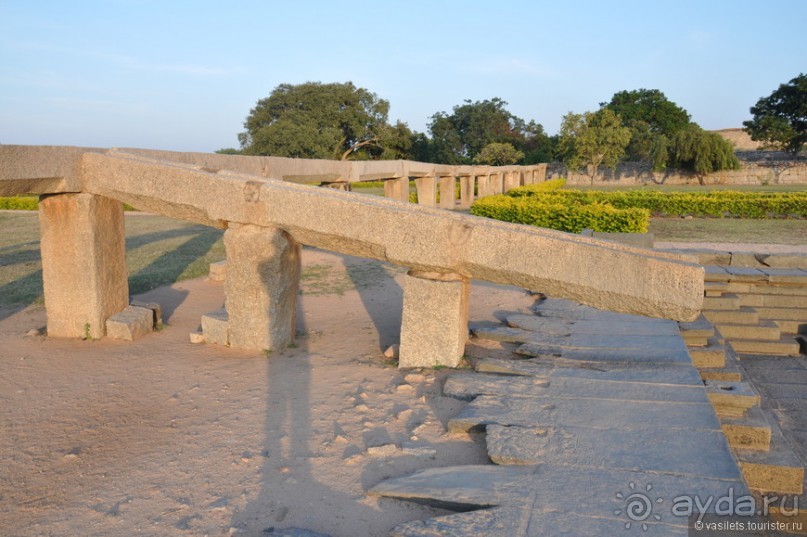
{"x": 512, "y": 179}
{"x": 434, "y": 326}
{"x": 427, "y": 193}
{"x": 83, "y": 263}
{"x": 448, "y": 192}
{"x": 496, "y": 183}
{"x": 483, "y": 186}
{"x": 466, "y": 191}
{"x": 397, "y": 189}
{"x": 263, "y": 276}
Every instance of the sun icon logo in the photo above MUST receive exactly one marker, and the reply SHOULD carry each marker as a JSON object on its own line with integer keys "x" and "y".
{"x": 638, "y": 506}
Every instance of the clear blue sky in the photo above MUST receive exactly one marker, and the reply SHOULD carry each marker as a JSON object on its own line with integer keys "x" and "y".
{"x": 183, "y": 75}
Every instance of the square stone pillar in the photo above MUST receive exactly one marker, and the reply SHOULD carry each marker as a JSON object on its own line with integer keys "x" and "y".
{"x": 483, "y": 186}
{"x": 263, "y": 276}
{"x": 512, "y": 179}
{"x": 496, "y": 183}
{"x": 466, "y": 191}
{"x": 448, "y": 192}
{"x": 397, "y": 189}
{"x": 427, "y": 193}
{"x": 83, "y": 263}
{"x": 434, "y": 325}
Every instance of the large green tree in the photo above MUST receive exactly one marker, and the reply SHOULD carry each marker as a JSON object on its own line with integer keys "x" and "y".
{"x": 592, "y": 139}
{"x": 649, "y": 115}
{"x": 330, "y": 121}
{"x": 701, "y": 152}
{"x": 780, "y": 119}
{"x": 460, "y": 136}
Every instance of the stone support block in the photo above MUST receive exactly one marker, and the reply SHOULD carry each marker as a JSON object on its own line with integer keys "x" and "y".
{"x": 83, "y": 263}
{"x": 130, "y": 324}
{"x": 434, "y": 325}
{"x": 427, "y": 193}
{"x": 448, "y": 187}
{"x": 217, "y": 271}
{"x": 216, "y": 328}
{"x": 483, "y": 188}
{"x": 467, "y": 191}
{"x": 263, "y": 277}
{"x": 397, "y": 189}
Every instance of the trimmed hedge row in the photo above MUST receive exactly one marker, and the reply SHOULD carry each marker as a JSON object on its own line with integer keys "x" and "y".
{"x": 20, "y": 203}
{"x": 536, "y": 211}
{"x": 715, "y": 204}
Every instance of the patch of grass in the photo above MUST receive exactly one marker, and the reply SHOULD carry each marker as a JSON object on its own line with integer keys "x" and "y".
{"x": 696, "y": 188}
{"x": 778, "y": 231}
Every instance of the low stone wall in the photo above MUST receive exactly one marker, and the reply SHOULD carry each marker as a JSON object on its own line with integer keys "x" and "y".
{"x": 758, "y": 168}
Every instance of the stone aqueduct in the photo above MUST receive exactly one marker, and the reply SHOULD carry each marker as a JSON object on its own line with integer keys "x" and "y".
{"x": 267, "y": 217}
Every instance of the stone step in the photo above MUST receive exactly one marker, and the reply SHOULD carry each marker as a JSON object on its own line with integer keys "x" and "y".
{"x": 710, "y": 356}
{"x": 722, "y": 374}
{"x": 727, "y": 301}
{"x": 778, "y": 470}
{"x": 713, "y": 289}
{"x": 787, "y": 346}
{"x": 792, "y": 327}
{"x": 701, "y": 327}
{"x": 731, "y": 399}
{"x": 773, "y": 301}
{"x": 783, "y": 314}
{"x": 744, "y": 315}
{"x": 762, "y": 289}
{"x": 765, "y": 330}
{"x": 751, "y": 431}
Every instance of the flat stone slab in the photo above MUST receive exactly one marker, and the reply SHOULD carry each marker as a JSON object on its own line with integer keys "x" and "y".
{"x": 130, "y": 324}
{"x": 650, "y": 449}
{"x": 470, "y": 385}
{"x": 582, "y": 412}
{"x": 600, "y": 354}
{"x": 671, "y": 373}
{"x": 550, "y": 499}
{"x": 553, "y": 325}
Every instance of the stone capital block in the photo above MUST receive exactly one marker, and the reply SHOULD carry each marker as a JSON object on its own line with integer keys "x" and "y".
{"x": 263, "y": 277}
{"x": 434, "y": 326}
{"x": 83, "y": 263}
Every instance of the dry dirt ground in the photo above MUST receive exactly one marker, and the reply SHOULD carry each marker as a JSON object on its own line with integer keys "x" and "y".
{"x": 161, "y": 437}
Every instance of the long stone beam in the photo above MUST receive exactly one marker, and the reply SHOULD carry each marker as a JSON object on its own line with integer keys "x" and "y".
{"x": 54, "y": 169}
{"x": 598, "y": 273}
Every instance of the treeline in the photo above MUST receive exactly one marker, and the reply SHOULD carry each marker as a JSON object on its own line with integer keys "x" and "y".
{"x": 341, "y": 121}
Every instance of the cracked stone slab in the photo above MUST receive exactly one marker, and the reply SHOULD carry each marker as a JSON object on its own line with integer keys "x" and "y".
{"x": 595, "y": 354}
{"x": 581, "y": 412}
{"x": 674, "y": 373}
{"x": 470, "y": 385}
{"x": 509, "y": 335}
{"x": 547, "y": 499}
{"x": 650, "y": 449}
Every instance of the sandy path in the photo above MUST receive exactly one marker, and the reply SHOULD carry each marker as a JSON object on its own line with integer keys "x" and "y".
{"x": 161, "y": 437}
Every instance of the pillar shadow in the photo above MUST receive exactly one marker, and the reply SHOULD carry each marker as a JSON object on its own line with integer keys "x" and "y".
{"x": 385, "y": 308}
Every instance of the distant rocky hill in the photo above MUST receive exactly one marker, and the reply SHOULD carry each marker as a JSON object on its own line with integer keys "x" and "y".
{"x": 742, "y": 140}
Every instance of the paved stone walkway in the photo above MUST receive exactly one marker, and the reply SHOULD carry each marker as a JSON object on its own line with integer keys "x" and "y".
{"x": 596, "y": 432}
